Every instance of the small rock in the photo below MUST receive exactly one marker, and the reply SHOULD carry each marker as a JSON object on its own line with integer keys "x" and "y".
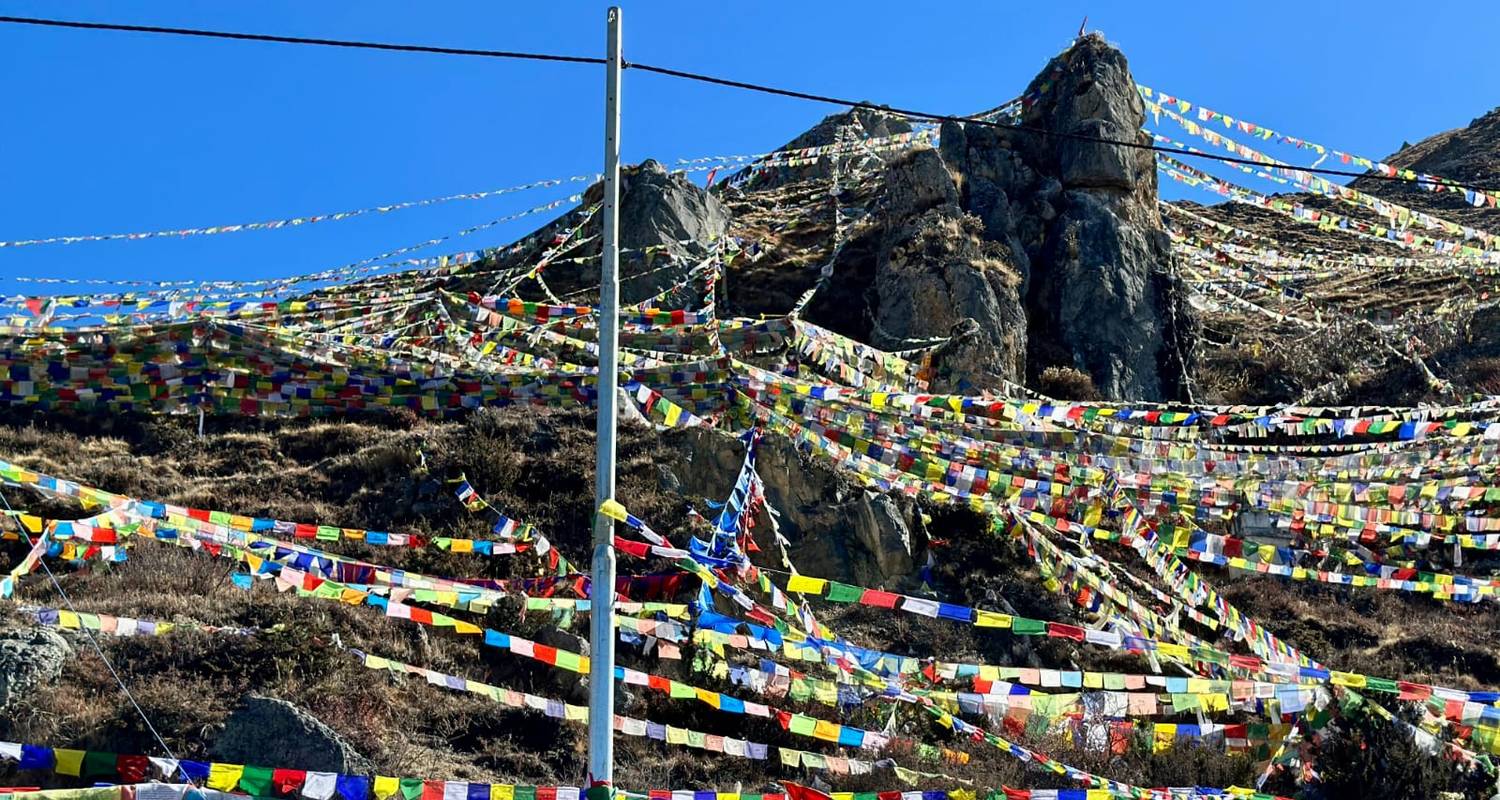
{"x": 270, "y": 731}
{"x": 30, "y": 658}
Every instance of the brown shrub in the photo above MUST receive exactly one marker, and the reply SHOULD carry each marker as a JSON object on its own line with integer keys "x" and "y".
{"x": 1067, "y": 383}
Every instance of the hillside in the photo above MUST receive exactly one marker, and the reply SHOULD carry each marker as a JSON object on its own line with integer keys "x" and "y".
{"x": 1382, "y": 302}
{"x": 952, "y": 463}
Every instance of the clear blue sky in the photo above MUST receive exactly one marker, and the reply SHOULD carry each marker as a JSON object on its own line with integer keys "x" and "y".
{"x": 112, "y": 132}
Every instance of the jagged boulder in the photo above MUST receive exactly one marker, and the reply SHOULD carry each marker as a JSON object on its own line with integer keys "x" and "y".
{"x": 265, "y": 730}
{"x": 1080, "y": 217}
{"x": 659, "y": 208}
{"x": 662, "y": 215}
{"x": 28, "y": 659}
{"x": 833, "y": 528}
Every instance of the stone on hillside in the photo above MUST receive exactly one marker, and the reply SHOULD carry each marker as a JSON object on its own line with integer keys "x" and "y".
{"x": 269, "y": 731}
{"x": 848, "y": 127}
{"x": 834, "y": 528}
{"x": 28, "y": 659}
{"x": 572, "y": 686}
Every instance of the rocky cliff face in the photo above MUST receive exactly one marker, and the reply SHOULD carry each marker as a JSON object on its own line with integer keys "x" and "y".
{"x": 1081, "y": 219}
{"x": 924, "y": 269}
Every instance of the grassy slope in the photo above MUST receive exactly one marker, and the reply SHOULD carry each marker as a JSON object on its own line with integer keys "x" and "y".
{"x": 537, "y": 466}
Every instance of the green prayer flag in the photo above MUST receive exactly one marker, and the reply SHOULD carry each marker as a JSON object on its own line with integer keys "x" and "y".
{"x": 844, "y": 593}
{"x": 1381, "y": 685}
{"x": 411, "y": 788}
{"x": 256, "y": 781}
{"x": 1028, "y": 627}
{"x": 97, "y": 765}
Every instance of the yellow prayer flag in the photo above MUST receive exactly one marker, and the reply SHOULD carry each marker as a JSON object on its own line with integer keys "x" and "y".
{"x": 69, "y": 762}
{"x": 1176, "y": 652}
{"x": 991, "y": 619}
{"x": 387, "y": 787}
{"x": 224, "y": 777}
{"x": 1162, "y": 734}
{"x": 1349, "y": 679}
{"x": 802, "y": 584}
{"x": 612, "y": 509}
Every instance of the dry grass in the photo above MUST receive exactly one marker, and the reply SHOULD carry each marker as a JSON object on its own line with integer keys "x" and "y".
{"x": 537, "y": 466}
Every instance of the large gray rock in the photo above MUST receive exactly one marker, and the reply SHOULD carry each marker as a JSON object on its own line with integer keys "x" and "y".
{"x": 659, "y": 208}
{"x": 270, "y": 731}
{"x": 834, "y": 528}
{"x": 659, "y": 211}
{"x": 571, "y": 685}
{"x": 1100, "y": 288}
{"x": 28, "y": 659}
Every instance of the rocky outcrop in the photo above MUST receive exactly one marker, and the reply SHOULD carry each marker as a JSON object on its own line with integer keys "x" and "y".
{"x": 938, "y": 274}
{"x": 28, "y": 659}
{"x": 928, "y": 271}
{"x": 833, "y": 528}
{"x": 269, "y": 731}
{"x": 1081, "y": 219}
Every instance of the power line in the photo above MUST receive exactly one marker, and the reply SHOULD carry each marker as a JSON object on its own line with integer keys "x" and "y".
{"x": 701, "y": 78}
{"x": 925, "y": 115}
{"x": 262, "y": 37}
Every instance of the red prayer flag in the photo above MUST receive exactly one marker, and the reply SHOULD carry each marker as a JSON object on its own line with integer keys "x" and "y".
{"x": 288, "y": 781}
{"x": 879, "y": 599}
{"x": 132, "y": 769}
{"x": 796, "y": 791}
{"x": 1061, "y": 631}
{"x": 1413, "y": 691}
{"x": 637, "y": 549}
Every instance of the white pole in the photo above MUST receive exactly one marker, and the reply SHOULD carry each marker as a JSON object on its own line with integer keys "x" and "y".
{"x": 602, "y": 595}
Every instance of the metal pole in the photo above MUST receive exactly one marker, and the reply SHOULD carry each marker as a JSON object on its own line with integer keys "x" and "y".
{"x": 602, "y": 594}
